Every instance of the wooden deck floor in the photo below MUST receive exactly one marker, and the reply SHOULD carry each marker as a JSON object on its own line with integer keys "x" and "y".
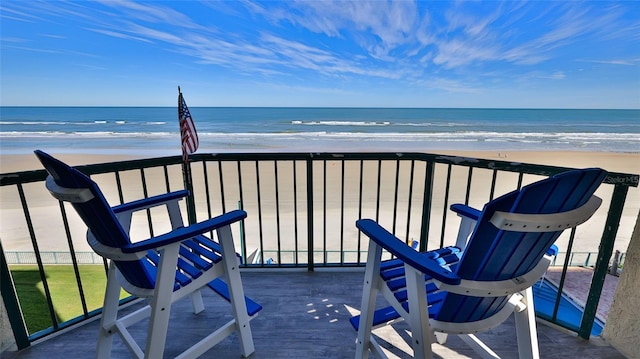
{"x": 305, "y": 315}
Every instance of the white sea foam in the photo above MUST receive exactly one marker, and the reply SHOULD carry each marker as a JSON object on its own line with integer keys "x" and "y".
{"x": 248, "y": 128}
{"x": 381, "y": 136}
{"x": 7, "y": 123}
{"x": 341, "y": 123}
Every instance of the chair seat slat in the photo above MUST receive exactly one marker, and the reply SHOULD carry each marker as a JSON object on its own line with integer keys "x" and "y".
{"x": 180, "y": 280}
{"x": 220, "y": 287}
{"x": 206, "y": 248}
{"x": 195, "y": 258}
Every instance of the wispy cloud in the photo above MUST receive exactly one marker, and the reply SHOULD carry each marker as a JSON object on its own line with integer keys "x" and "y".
{"x": 623, "y": 62}
{"x": 51, "y": 51}
{"x": 451, "y": 46}
{"x": 449, "y": 85}
{"x": 153, "y": 13}
{"x": 118, "y": 34}
{"x": 378, "y": 27}
{"x": 558, "y": 75}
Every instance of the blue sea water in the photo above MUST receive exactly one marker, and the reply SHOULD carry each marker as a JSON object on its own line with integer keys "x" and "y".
{"x": 155, "y": 130}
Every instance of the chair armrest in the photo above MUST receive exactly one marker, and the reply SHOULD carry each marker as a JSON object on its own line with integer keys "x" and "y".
{"x": 469, "y": 216}
{"x": 149, "y": 202}
{"x": 183, "y": 233}
{"x": 405, "y": 253}
{"x": 466, "y": 211}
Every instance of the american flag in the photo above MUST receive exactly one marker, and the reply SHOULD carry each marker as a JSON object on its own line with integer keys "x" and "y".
{"x": 187, "y": 129}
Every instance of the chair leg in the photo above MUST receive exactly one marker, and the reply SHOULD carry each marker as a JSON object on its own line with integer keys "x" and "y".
{"x": 478, "y": 346}
{"x": 236, "y": 291}
{"x": 418, "y": 313}
{"x": 441, "y": 338}
{"x": 161, "y": 302}
{"x": 526, "y": 328}
{"x": 109, "y": 314}
{"x": 196, "y": 302}
{"x": 367, "y": 308}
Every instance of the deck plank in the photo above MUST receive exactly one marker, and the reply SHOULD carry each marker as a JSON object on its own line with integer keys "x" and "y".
{"x": 305, "y": 315}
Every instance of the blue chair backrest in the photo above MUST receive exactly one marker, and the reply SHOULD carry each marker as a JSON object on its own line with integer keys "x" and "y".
{"x": 98, "y": 216}
{"x": 493, "y": 254}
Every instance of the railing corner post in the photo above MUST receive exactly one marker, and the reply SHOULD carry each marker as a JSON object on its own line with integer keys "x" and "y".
{"x": 11, "y": 304}
{"x": 602, "y": 262}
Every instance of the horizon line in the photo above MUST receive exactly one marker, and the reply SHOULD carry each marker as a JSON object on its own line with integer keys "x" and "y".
{"x": 329, "y": 107}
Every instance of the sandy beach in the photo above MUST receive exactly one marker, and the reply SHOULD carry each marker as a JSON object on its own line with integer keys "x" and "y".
{"x": 327, "y": 230}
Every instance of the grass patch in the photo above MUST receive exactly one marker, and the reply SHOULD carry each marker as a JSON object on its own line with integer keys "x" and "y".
{"x": 65, "y": 294}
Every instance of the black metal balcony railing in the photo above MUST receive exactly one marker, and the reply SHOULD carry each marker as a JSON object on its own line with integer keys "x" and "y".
{"x": 576, "y": 259}
{"x": 302, "y": 209}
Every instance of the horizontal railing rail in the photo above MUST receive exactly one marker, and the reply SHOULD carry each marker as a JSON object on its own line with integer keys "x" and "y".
{"x": 302, "y": 209}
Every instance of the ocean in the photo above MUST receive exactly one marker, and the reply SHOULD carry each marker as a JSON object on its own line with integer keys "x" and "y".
{"x": 150, "y": 131}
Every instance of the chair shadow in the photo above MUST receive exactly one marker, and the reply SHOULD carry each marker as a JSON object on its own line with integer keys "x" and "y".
{"x": 33, "y": 302}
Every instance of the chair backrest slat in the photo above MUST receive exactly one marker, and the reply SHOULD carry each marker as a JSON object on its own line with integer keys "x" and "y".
{"x": 493, "y": 254}
{"x": 98, "y": 217}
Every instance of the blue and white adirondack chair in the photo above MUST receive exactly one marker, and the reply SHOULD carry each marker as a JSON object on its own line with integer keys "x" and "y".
{"x": 163, "y": 269}
{"x": 472, "y": 288}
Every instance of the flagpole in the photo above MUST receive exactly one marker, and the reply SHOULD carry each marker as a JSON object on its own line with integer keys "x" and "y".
{"x": 188, "y": 185}
{"x": 186, "y": 174}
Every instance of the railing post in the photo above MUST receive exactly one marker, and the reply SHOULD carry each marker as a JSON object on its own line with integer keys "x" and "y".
{"x": 188, "y": 185}
{"x": 586, "y": 261}
{"x": 310, "y": 259}
{"x": 602, "y": 262}
{"x": 426, "y": 206}
{"x": 10, "y": 299}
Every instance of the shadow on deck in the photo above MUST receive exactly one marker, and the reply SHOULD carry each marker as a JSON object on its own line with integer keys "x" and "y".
{"x": 305, "y": 315}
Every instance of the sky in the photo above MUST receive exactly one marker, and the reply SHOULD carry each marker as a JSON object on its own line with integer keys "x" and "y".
{"x": 539, "y": 54}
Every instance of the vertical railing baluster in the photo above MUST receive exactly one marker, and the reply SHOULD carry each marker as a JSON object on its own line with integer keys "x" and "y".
{"x": 410, "y": 198}
{"x": 426, "y": 205}
{"x": 260, "y": 225}
{"x": 520, "y": 178}
{"x": 445, "y": 206}
{"x": 167, "y": 185}
{"x": 310, "y": 239}
{"x": 378, "y": 189}
{"x": 206, "y": 190}
{"x": 494, "y": 178}
{"x": 221, "y": 179}
{"x": 278, "y": 234}
{"x": 324, "y": 212}
{"x": 74, "y": 260}
{"x": 360, "y": 191}
{"x": 145, "y": 194}
{"x": 295, "y": 211}
{"x": 342, "y": 212}
{"x": 395, "y": 200}
{"x": 36, "y": 249}
{"x": 119, "y": 186}
{"x": 563, "y": 276}
{"x": 468, "y": 194}
{"x": 241, "y": 194}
